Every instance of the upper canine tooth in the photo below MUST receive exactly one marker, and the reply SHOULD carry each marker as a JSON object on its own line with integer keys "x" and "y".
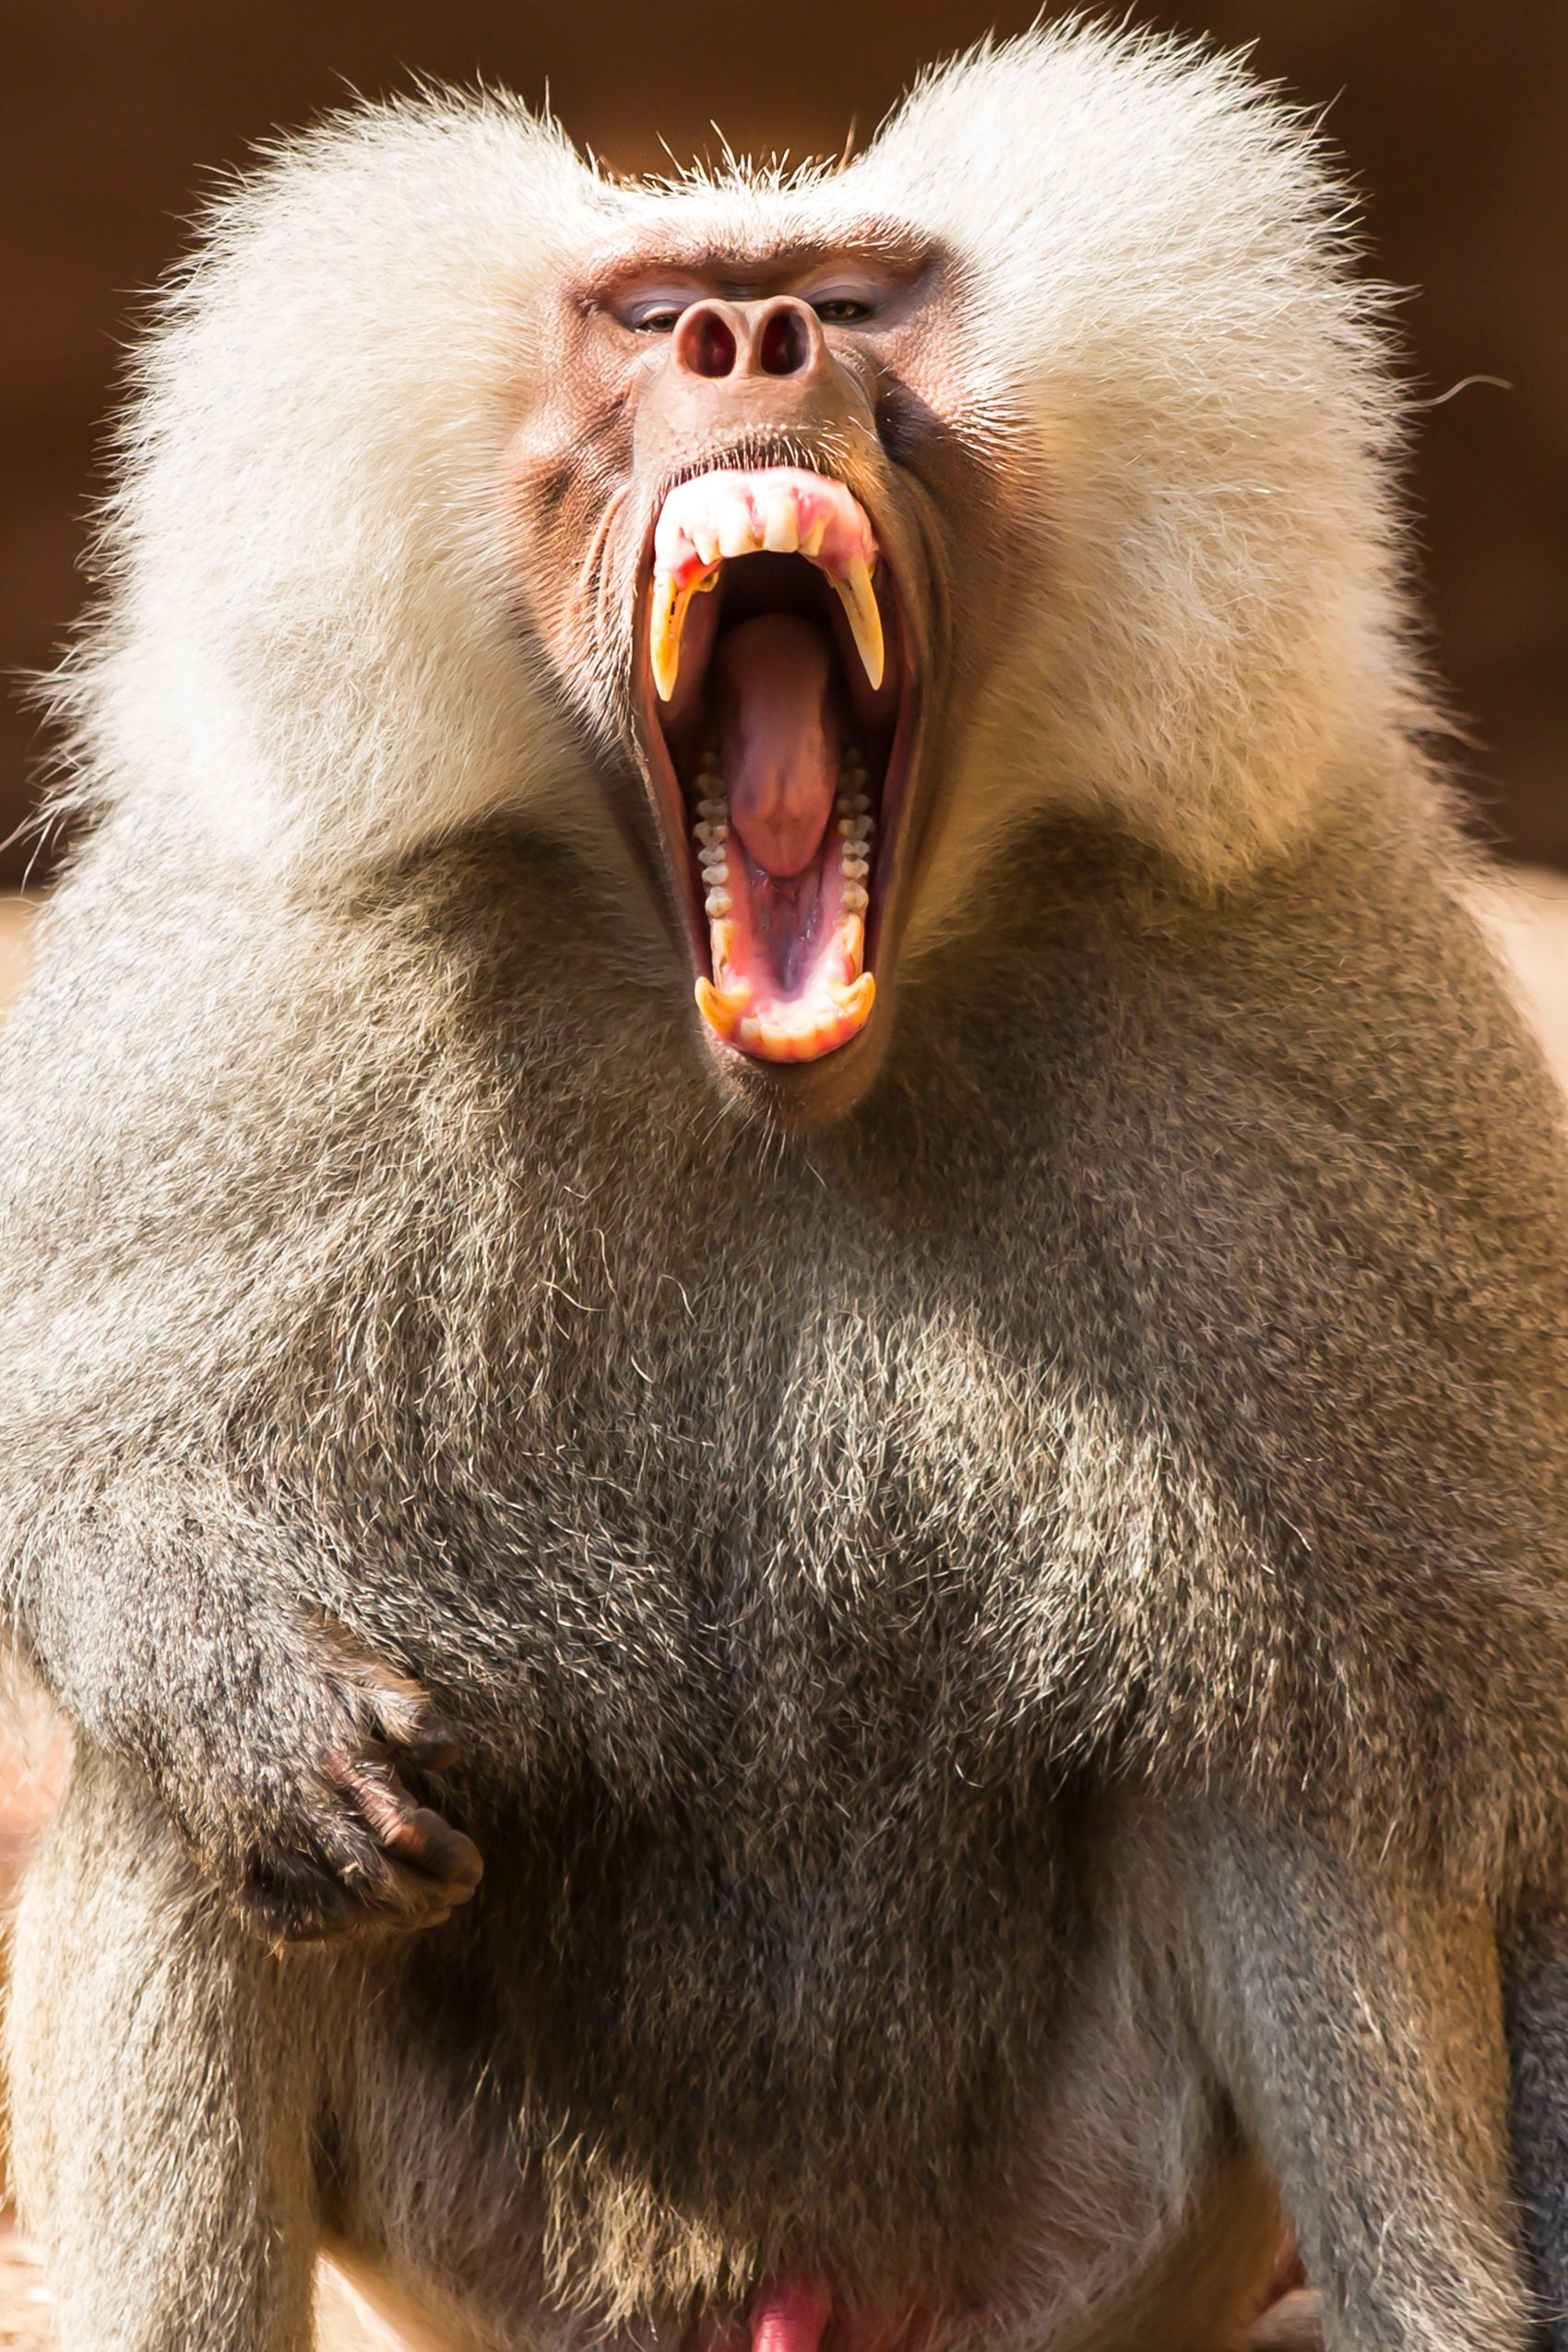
{"x": 859, "y": 599}
{"x": 666, "y": 619}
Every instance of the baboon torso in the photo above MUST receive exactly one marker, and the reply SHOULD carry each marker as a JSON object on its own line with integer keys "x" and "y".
{"x": 811, "y": 1537}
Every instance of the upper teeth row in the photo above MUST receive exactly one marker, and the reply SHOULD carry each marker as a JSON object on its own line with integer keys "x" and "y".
{"x": 714, "y": 517}
{"x": 782, "y": 509}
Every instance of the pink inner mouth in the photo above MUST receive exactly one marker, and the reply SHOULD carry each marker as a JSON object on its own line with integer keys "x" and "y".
{"x": 779, "y": 738}
{"x": 778, "y": 718}
{"x": 782, "y": 760}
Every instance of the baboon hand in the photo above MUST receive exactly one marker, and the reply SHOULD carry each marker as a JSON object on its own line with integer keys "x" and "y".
{"x": 331, "y": 1841}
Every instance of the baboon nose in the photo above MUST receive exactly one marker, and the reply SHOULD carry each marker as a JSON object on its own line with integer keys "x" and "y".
{"x": 748, "y": 339}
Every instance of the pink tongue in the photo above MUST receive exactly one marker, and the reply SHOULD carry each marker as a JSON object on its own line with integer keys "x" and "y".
{"x": 779, "y": 738}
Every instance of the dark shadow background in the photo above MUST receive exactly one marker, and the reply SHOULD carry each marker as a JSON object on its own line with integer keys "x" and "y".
{"x": 113, "y": 113}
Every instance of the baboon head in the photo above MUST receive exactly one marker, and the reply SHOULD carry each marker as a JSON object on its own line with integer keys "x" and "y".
{"x": 786, "y": 544}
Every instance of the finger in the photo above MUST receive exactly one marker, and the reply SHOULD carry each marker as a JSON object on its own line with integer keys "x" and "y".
{"x": 435, "y": 1747}
{"x": 413, "y": 1834}
{"x": 425, "y": 1840}
{"x": 402, "y": 1714}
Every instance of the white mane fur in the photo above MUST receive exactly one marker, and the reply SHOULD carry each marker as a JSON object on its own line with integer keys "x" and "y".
{"x": 311, "y": 647}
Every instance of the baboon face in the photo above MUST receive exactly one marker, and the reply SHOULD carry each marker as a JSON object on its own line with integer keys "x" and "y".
{"x": 740, "y": 489}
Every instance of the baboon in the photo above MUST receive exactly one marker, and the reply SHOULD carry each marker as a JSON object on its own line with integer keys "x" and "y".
{"x": 763, "y": 1166}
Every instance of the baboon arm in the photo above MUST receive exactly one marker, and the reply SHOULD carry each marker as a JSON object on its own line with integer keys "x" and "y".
{"x": 1356, "y": 2022}
{"x": 178, "y": 1633}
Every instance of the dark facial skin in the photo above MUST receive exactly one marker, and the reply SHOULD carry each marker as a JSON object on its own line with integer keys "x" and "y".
{"x": 843, "y": 361}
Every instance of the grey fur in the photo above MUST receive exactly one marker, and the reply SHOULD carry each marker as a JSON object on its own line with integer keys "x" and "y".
{"x": 1011, "y": 1652}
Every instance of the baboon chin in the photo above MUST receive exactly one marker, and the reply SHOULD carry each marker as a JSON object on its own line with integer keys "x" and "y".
{"x": 785, "y": 1382}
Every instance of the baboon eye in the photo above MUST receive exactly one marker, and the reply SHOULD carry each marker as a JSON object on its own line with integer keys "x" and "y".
{"x": 842, "y": 310}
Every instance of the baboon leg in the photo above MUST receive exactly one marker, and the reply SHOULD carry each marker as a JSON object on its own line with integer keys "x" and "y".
{"x": 1536, "y": 1988}
{"x": 1357, "y": 2023}
{"x": 434, "y": 2210}
{"x": 162, "y": 2066}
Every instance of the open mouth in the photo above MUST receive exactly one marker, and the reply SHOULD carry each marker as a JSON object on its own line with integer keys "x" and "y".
{"x": 779, "y": 699}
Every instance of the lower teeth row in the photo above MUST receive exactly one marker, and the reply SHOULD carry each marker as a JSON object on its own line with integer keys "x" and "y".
{"x": 856, "y": 828}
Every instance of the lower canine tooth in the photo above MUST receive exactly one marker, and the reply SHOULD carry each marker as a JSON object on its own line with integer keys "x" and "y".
{"x": 854, "y": 997}
{"x": 721, "y": 1008}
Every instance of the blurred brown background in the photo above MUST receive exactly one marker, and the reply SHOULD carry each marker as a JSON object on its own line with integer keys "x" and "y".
{"x": 115, "y": 113}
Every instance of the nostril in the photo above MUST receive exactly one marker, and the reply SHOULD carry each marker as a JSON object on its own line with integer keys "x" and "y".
{"x": 705, "y": 341}
{"x": 785, "y": 346}
{"x": 714, "y": 346}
